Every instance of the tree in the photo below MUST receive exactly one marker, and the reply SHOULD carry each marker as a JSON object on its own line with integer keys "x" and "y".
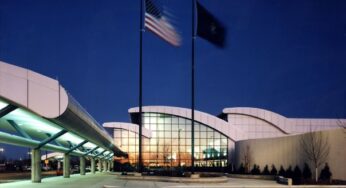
{"x": 255, "y": 170}
{"x": 241, "y": 169}
{"x": 273, "y": 171}
{"x": 297, "y": 175}
{"x": 342, "y": 124}
{"x": 325, "y": 173}
{"x": 316, "y": 149}
{"x": 266, "y": 170}
{"x": 247, "y": 159}
{"x": 289, "y": 172}
{"x": 306, "y": 171}
{"x": 282, "y": 171}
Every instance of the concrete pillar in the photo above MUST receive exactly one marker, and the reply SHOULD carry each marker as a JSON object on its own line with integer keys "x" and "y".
{"x": 99, "y": 165}
{"x": 108, "y": 166}
{"x": 82, "y": 165}
{"x": 92, "y": 161}
{"x": 66, "y": 169}
{"x": 104, "y": 166}
{"x": 36, "y": 166}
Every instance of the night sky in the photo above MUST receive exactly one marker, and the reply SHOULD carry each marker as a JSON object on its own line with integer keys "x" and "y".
{"x": 287, "y": 56}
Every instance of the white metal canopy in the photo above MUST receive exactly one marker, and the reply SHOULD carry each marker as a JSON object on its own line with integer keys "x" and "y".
{"x": 37, "y": 112}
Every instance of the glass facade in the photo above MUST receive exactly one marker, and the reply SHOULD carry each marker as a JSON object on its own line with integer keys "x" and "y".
{"x": 170, "y": 143}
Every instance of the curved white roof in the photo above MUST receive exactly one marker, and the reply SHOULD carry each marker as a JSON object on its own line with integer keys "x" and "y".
{"x": 284, "y": 124}
{"x": 128, "y": 126}
{"x": 45, "y": 99}
{"x": 55, "y": 155}
{"x": 204, "y": 118}
{"x": 39, "y": 93}
{"x": 272, "y": 118}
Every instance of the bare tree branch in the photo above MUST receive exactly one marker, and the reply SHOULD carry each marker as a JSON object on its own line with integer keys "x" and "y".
{"x": 316, "y": 149}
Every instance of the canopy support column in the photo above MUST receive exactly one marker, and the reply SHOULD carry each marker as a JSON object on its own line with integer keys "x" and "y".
{"x": 108, "y": 166}
{"x": 92, "y": 161}
{"x": 66, "y": 166}
{"x": 36, "y": 166}
{"x": 82, "y": 165}
{"x": 104, "y": 166}
{"x": 99, "y": 165}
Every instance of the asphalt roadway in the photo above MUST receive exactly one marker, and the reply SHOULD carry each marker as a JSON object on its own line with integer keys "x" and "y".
{"x": 108, "y": 180}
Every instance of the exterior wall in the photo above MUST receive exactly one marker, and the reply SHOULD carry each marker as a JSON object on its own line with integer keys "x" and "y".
{"x": 300, "y": 125}
{"x": 260, "y": 123}
{"x": 287, "y": 151}
{"x": 254, "y": 127}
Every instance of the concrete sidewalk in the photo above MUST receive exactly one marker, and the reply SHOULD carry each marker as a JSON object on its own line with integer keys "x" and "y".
{"x": 104, "y": 180}
{"x": 110, "y": 180}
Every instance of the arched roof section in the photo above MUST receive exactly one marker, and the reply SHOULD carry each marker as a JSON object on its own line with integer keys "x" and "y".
{"x": 53, "y": 155}
{"x": 47, "y": 104}
{"x": 34, "y": 91}
{"x": 276, "y": 120}
{"x": 127, "y": 126}
{"x": 204, "y": 118}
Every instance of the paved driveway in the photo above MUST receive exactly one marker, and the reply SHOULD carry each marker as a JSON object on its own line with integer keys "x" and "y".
{"x": 107, "y": 180}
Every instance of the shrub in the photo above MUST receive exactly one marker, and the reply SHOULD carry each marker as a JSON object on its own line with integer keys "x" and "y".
{"x": 282, "y": 171}
{"x": 289, "y": 172}
{"x": 297, "y": 176}
{"x": 325, "y": 173}
{"x": 265, "y": 170}
{"x": 230, "y": 168}
{"x": 241, "y": 169}
{"x": 307, "y": 172}
{"x": 255, "y": 170}
{"x": 273, "y": 171}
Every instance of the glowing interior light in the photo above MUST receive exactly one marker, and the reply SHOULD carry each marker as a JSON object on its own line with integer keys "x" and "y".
{"x": 74, "y": 139}
{"x": 107, "y": 153}
{"x": 89, "y": 145}
{"x": 99, "y": 150}
{"x": 31, "y": 121}
{"x": 2, "y": 104}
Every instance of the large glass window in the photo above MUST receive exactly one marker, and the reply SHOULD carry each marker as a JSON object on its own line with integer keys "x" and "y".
{"x": 170, "y": 143}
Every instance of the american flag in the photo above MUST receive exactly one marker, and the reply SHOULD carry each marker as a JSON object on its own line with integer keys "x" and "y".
{"x": 156, "y": 21}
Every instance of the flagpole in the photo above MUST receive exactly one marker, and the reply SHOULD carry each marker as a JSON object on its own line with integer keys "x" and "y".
{"x": 193, "y": 90}
{"x": 140, "y": 88}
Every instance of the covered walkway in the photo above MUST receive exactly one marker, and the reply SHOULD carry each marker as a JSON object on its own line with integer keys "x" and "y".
{"x": 37, "y": 112}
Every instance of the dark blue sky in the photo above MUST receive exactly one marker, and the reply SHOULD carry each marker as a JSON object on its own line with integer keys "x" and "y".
{"x": 287, "y": 56}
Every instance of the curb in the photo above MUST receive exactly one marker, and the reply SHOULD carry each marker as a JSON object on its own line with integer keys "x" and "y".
{"x": 222, "y": 179}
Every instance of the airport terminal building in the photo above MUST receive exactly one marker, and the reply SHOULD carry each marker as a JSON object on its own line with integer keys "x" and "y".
{"x": 37, "y": 112}
{"x": 220, "y": 141}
